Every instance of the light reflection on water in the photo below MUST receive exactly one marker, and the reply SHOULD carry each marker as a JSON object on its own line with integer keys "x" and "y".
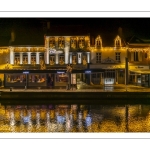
{"x": 75, "y": 118}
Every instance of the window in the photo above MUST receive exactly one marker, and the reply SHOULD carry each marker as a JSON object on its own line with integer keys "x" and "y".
{"x": 61, "y": 43}
{"x": 94, "y": 75}
{"x": 73, "y": 42}
{"x": 117, "y": 41}
{"x": 17, "y": 59}
{"x": 37, "y": 78}
{"x": 33, "y": 58}
{"x": 25, "y": 58}
{"x": 84, "y": 60}
{"x": 52, "y": 59}
{"x": 41, "y": 57}
{"x": 61, "y": 59}
{"x": 98, "y": 42}
{"x": 118, "y": 57}
{"x": 98, "y": 57}
{"x": 61, "y": 77}
{"x": 136, "y": 56}
{"x": 81, "y": 42}
{"x": 74, "y": 59}
{"x": 52, "y": 42}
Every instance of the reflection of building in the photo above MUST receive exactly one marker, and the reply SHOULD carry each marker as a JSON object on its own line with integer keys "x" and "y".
{"x": 96, "y": 59}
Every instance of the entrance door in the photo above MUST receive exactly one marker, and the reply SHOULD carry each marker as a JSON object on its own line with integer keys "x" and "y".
{"x": 109, "y": 77}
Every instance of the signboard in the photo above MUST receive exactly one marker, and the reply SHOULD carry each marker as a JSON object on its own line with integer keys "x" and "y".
{"x": 25, "y": 72}
{"x": 88, "y": 71}
{"x": 139, "y": 67}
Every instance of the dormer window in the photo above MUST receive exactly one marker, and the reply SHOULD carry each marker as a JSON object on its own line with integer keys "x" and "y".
{"x": 98, "y": 42}
{"x": 117, "y": 41}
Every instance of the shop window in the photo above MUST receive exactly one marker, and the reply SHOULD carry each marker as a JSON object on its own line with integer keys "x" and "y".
{"x": 98, "y": 57}
{"x": 17, "y": 59}
{"x": 15, "y": 78}
{"x": 98, "y": 75}
{"x": 52, "y": 59}
{"x": 94, "y": 75}
{"x": 118, "y": 57}
{"x": 81, "y": 42}
{"x": 51, "y": 42}
{"x": 61, "y": 77}
{"x": 73, "y": 42}
{"x": 37, "y": 78}
{"x": 61, "y": 60}
{"x": 74, "y": 59}
{"x": 61, "y": 42}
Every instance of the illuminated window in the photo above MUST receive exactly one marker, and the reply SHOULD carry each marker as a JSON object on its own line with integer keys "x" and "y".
{"x": 25, "y": 58}
{"x": 98, "y": 57}
{"x": 98, "y": 42}
{"x": 61, "y": 42}
{"x": 74, "y": 59}
{"x": 41, "y": 57}
{"x": 17, "y": 59}
{"x": 52, "y": 42}
{"x": 61, "y": 59}
{"x": 73, "y": 42}
{"x": 52, "y": 59}
{"x": 33, "y": 58}
{"x": 84, "y": 59}
{"x": 118, "y": 57}
{"x": 117, "y": 41}
{"x": 81, "y": 42}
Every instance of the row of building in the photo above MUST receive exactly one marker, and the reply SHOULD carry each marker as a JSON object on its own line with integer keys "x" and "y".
{"x": 94, "y": 61}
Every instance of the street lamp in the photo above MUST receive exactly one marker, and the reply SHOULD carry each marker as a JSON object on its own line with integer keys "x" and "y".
{"x": 69, "y": 71}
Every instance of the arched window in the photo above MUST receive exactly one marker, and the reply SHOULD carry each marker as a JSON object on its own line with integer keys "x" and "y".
{"x": 98, "y": 42}
{"x": 117, "y": 41}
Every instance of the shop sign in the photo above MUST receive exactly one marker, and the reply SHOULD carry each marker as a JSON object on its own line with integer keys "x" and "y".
{"x": 26, "y": 72}
{"x": 139, "y": 67}
{"x": 87, "y": 71}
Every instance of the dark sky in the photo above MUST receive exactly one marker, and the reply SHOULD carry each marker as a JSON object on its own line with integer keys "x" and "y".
{"x": 130, "y": 26}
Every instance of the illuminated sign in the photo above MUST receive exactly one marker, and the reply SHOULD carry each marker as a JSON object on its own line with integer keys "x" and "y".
{"x": 60, "y": 72}
{"x": 25, "y": 72}
{"x": 87, "y": 71}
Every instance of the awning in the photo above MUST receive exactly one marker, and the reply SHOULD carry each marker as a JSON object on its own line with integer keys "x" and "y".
{"x": 141, "y": 71}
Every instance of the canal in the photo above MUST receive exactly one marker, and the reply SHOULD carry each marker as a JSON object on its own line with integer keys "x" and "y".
{"x": 74, "y": 118}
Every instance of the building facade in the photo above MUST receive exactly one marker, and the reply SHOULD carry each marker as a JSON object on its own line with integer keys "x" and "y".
{"x": 93, "y": 62}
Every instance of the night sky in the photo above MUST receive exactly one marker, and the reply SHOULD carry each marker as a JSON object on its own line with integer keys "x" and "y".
{"x": 38, "y": 26}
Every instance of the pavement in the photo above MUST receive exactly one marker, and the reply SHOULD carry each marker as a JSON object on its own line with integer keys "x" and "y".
{"x": 86, "y": 88}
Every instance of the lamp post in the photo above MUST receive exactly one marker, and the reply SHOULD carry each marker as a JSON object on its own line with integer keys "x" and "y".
{"x": 69, "y": 71}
